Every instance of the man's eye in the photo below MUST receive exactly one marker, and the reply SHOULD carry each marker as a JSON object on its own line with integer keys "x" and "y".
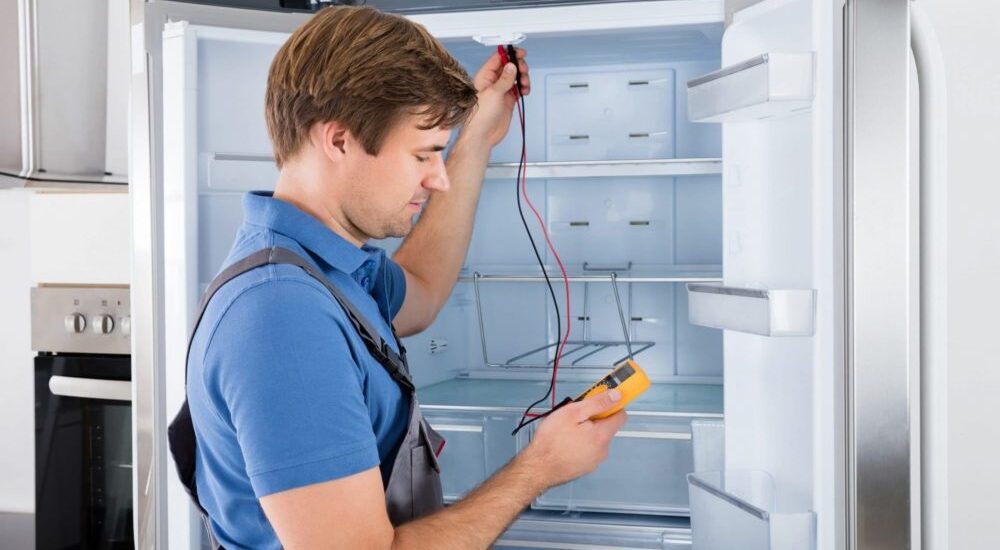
{"x": 422, "y": 159}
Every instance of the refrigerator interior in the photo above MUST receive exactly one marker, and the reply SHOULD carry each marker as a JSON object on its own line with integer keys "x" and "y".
{"x": 631, "y": 235}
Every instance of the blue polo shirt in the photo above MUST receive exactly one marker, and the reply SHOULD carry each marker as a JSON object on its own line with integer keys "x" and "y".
{"x": 282, "y": 391}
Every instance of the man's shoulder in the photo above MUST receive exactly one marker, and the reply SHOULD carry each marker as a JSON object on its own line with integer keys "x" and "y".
{"x": 277, "y": 299}
{"x": 265, "y": 285}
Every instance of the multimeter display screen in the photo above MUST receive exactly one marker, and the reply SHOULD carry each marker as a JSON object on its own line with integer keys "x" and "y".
{"x": 623, "y": 372}
{"x": 618, "y": 376}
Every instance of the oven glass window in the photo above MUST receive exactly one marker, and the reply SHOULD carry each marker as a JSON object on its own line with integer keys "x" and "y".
{"x": 83, "y": 458}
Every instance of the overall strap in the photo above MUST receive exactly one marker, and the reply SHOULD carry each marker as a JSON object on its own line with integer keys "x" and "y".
{"x": 181, "y": 430}
{"x": 394, "y": 363}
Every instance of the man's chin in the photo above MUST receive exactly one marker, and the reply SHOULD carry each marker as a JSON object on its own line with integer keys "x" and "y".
{"x": 398, "y": 232}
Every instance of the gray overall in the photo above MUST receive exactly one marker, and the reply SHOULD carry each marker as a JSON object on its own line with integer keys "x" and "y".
{"x": 414, "y": 485}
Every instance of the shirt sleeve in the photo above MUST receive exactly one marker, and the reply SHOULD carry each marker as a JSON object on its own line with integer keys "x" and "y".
{"x": 395, "y": 285}
{"x": 280, "y": 363}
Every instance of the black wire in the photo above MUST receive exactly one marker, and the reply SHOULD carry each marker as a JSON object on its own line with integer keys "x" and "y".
{"x": 555, "y": 303}
{"x": 522, "y": 424}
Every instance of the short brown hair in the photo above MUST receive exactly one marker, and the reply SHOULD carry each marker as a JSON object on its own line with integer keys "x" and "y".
{"x": 365, "y": 69}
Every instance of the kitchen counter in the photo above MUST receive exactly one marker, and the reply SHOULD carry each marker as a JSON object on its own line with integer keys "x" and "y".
{"x": 17, "y": 531}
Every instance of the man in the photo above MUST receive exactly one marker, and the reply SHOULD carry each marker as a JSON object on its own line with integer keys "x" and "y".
{"x": 308, "y": 434}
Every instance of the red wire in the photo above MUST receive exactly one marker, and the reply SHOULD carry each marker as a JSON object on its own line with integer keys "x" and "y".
{"x": 548, "y": 241}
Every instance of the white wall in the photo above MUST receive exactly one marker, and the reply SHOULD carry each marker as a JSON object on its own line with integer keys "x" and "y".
{"x": 968, "y": 33}
{"x": 17, "y": 421}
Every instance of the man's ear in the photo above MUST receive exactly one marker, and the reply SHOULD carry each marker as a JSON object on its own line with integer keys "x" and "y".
{"x": 330, "y": 138}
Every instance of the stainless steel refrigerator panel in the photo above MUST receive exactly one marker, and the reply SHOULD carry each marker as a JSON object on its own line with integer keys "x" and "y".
{"x": 880, "y": 315}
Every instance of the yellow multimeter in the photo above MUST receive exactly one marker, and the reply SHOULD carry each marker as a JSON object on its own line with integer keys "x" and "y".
{"x": 628, "y": 377}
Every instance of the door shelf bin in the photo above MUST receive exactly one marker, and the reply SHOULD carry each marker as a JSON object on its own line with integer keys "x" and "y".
{"x": 768, "y": 85}
{"x": 736, "y": 509}
{"x": 768, "y": 312}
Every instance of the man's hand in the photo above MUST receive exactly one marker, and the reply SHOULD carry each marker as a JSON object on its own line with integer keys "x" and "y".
{"x": 568, "y": 444}
{"x": 491, "y": 119}
{"x": 350, "y": 512}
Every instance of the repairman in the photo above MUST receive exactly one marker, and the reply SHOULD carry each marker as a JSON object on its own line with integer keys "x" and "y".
{"x": 302, "y": 428}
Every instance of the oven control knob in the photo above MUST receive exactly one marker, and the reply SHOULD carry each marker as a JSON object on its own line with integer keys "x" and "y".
{"x": 75, "y": 323}
{"x": 126, "y": 324}
{"x": 103, "y": 324}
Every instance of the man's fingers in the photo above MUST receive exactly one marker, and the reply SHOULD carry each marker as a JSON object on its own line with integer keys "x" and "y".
{"x": 610, "y": 425}
{"x": 525, "y": 76}
{"x": 597, "y": 404}
{"x": 507, "y": 78}
{"x": 487, "y": 74}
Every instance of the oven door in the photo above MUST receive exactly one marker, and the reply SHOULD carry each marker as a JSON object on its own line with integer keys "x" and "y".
{"x": 83, "y": 451}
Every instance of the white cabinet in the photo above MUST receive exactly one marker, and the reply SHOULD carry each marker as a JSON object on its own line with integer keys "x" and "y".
{"x": 80, "y": 238}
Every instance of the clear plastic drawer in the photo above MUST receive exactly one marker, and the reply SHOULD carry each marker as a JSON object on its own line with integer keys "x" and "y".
{"x": 552, "y": 530}
{"x": 644, "y": 473}
{"x": 476, "y": 445}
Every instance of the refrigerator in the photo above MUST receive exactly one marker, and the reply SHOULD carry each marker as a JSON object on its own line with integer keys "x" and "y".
{"x": 733, "y": 189}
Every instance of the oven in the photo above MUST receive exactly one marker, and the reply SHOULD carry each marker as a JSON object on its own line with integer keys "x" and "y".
{"x": 83, "y": 418}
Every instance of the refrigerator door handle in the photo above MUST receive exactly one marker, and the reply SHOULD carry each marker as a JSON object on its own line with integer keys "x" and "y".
{"x": 933, "y": 375}
{"x": 880, "y": 310}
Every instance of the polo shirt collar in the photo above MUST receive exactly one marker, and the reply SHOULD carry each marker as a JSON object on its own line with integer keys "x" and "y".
{"x": 261, "y": 208}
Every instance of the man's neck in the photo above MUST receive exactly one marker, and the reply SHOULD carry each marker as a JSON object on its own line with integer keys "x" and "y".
{"x": 293, "y": 190}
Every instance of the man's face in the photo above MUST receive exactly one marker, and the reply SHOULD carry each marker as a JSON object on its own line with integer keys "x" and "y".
{"x": 387, "y": 190}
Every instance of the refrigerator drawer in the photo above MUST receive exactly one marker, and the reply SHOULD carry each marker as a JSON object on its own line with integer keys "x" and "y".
{"x": 644, "y": 473}
{"x": 551, "y": 530}
{"x": 477, "y": 444}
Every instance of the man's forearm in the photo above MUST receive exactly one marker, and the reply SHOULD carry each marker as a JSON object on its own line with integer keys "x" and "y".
{"x": 435, "y": 250}
{"x": 481, "y": 517}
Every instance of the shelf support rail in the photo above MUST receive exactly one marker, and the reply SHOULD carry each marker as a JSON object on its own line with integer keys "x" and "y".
{"x": 580, "y": 345}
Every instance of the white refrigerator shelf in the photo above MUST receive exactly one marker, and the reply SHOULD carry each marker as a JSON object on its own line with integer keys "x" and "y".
{"x": 771, "y": 84}
{"x": 608, "y": 168}
{"x": 663, "y": 399}
{"x": 768, "y": 312}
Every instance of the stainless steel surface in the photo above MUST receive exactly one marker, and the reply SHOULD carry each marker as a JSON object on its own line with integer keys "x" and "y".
{"x": 91, "y": 388}
{"x": 60, "y": 316}
{"x": 148, "y": 423}
{"x": 10, "y": 90}
{"x": 70, "y": 87}
{"x": 880, "y": 317}
{"x": 146, "y": 189}
{"x": 62, "y": 91}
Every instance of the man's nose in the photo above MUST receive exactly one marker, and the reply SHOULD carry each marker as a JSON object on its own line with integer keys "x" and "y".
{"x": 437, "y": 180}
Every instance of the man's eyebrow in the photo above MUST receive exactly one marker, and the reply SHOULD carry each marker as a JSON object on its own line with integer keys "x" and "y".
{"x": 432, "y": 148}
